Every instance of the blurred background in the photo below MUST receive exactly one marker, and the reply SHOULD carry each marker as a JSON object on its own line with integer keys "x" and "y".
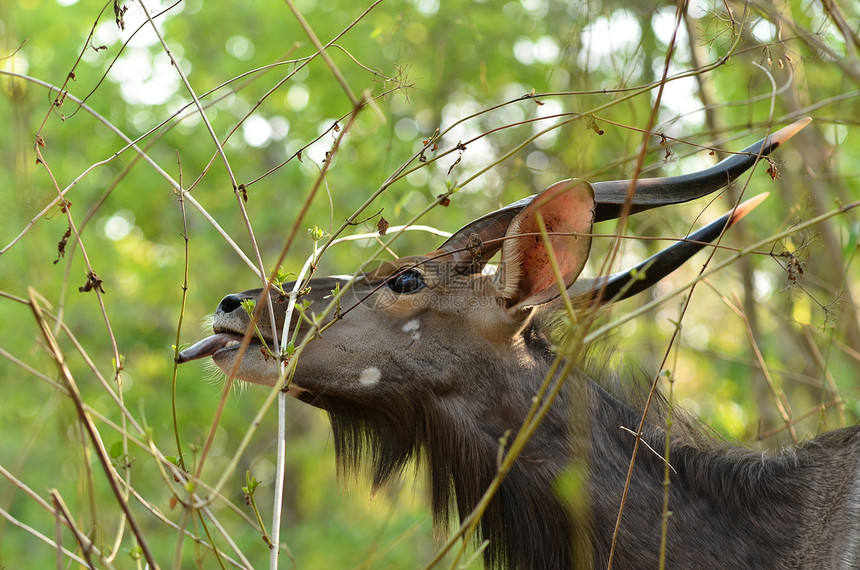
{"x": 512, "y": 96}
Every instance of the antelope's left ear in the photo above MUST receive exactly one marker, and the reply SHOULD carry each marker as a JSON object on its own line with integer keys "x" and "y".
{"x": 525, "y": 274}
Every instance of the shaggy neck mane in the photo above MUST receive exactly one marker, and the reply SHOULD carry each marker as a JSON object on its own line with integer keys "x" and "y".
{"x": 752, "y": 507}
{"x": 458, "y": 451}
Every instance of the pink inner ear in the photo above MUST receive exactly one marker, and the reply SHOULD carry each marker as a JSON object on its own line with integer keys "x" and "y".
{"x": 566, "y": 207}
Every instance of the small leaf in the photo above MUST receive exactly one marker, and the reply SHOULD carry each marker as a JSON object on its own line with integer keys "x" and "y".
{"x": 316, "y": 233}
{"x": 248, "y": 305}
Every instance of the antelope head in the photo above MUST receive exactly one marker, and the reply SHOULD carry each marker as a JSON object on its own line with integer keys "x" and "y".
{"x": 442, "y": 309}
{"x": 433, "y": 356}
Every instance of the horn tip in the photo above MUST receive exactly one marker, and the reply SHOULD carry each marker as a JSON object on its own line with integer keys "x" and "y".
{"x": 746, "y": 207}
{"x": 785, "y": 133}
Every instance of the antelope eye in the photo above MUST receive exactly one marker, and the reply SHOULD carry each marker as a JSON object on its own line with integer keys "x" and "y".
{"x": 408, "y": 282}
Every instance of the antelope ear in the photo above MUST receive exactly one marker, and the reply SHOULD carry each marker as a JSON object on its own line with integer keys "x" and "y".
{"x": 525, "y": 274}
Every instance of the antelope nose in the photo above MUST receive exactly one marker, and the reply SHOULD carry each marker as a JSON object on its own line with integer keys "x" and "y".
{"x": 229, "y": 303}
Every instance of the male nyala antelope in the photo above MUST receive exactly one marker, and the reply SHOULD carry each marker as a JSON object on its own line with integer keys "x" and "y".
{"x": 437, "y": 359}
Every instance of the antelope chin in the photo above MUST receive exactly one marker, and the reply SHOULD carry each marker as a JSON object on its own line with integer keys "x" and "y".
{"x": 255, "y": 367}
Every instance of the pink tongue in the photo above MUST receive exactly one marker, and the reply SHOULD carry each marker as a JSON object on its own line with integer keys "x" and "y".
{"x": 207, "y": 347}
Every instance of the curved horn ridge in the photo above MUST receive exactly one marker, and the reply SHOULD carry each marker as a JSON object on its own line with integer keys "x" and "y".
{"x": 610, "y": 196}
{"x": 653, "y": 192}
{"x": 627, "y": 283}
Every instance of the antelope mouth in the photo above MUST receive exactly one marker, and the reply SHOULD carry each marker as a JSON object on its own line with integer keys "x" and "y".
{"x": 216, "y": 344}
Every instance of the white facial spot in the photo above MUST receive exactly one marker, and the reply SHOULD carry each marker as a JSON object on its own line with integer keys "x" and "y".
{"x": 370, "y": 376}
{"x": 413, "y": 326}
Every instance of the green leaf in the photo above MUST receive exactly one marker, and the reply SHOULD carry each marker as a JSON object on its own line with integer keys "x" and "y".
{"x": 116, "y": 450}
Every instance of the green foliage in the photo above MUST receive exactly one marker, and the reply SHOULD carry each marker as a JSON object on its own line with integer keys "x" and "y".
{"x": 482, "y": 102}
